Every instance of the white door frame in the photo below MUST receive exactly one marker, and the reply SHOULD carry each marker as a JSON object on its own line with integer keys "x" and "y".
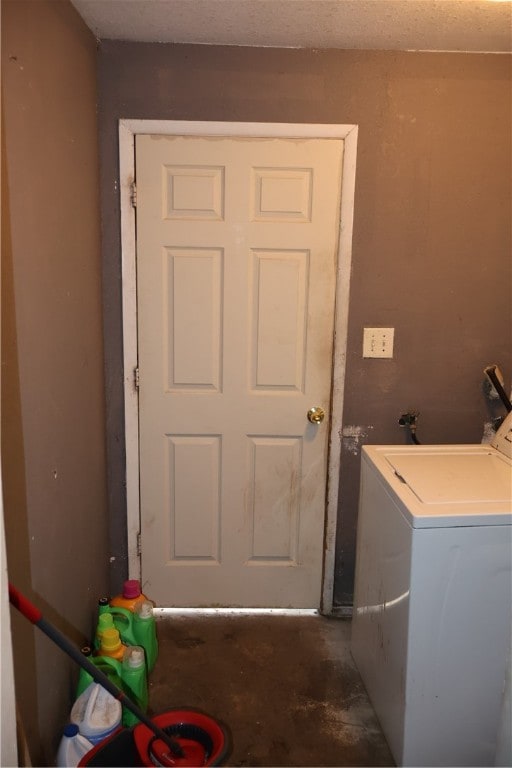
{"x": 127, "y": 132}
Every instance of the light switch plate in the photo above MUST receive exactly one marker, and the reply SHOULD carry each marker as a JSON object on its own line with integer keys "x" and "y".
{"x": 378, "y": 342}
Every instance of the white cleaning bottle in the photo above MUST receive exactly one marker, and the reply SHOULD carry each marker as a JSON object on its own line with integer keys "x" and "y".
{"x": 73, "y": 746}
{"x": 96, "y": 713}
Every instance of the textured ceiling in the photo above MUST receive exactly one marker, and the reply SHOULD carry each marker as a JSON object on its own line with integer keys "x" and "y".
{"x": 432, "y": 25}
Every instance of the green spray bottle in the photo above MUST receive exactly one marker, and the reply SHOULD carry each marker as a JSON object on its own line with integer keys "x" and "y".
{"x": 135, "y": 681}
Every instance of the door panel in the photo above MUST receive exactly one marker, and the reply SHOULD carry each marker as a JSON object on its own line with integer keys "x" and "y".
{"x": 194, "y": 509}
{"x": 236, "y": 271}
{"x": 193, "y": 278}
{"x": 278, "y": 331}
{"x": 275, "y": 501}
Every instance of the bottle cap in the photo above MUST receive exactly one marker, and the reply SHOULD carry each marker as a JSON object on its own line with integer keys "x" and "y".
{"x": 134, "y": 657}
{"x": 131, "y": 589}
{"x": 144, "y": 609}
{"x": 103, "y": 601}
{"x": 105, "y": 621}
{"x": 110, "y": 640}
{"x": 71, "y": 730}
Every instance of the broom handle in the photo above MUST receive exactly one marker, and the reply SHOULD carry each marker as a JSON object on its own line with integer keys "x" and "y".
{"x": 35, "y": 616}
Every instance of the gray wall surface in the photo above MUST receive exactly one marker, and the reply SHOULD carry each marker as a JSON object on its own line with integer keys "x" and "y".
{"x": 432, "y": 237}
{"x": 53, "y": 407}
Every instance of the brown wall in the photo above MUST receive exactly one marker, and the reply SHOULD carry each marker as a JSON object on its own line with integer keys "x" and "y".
{"x": 53, "y": 434}
{"x": 432, "y": 239}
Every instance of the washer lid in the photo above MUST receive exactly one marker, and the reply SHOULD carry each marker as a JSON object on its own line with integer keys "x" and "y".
{"x": 454, "y": 477}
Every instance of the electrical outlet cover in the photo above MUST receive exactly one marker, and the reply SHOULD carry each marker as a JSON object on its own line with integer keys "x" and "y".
{"x": 378, "y": 342}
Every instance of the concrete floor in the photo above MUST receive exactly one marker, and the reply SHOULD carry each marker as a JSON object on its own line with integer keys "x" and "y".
{"x": 286, "y": 687}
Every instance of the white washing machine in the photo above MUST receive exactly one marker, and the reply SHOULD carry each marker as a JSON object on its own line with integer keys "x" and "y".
{"x": 431, "y": 627}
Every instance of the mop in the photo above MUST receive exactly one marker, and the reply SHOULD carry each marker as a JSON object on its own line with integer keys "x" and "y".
{"x": 178, "y": 738}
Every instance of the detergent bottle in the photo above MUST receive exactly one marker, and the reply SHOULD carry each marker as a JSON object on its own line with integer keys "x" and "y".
{"x": 135, "y": 628}
{"x": 109, "y": 666}
{"x": 111, "y": 645}
{"x": 73, "y": 746}
{"x": 130, "y": 596}
{"x": 122, "y": 617}
{"x": 96, "y": 713}
{"x": 144, "y": 630}
{"x": 127, "y": 676}
{"x": 134, "y": 681}
{"x": 123, "y": 622}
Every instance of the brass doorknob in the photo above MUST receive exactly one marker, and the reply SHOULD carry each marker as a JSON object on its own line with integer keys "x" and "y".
{"x": 316, "y": 414}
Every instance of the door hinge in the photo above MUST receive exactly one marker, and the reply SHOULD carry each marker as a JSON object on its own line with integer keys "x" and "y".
{"x": 136, "y": 378}
{"x": 133, "y": 194}
{"x": 139, "y": 545}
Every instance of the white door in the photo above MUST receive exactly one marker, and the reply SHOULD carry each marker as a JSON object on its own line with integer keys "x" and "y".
{"x": 236, "y": 272}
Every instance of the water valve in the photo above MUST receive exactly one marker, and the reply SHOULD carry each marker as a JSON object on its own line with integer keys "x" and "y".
{"x": 408, "y": 419}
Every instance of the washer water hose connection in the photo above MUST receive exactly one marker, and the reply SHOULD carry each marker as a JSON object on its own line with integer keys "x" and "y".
{"x": 410, "y": 420}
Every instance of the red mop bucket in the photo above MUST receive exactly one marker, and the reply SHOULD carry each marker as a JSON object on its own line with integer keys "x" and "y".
{"x": 202, "y": 739}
